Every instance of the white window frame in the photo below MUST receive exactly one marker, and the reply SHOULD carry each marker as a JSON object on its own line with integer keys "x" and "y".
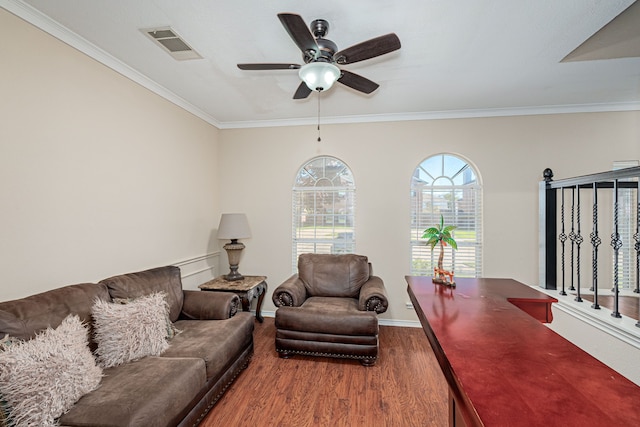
{"x": 456, "y": 193}
{"x": 323, "y": 206}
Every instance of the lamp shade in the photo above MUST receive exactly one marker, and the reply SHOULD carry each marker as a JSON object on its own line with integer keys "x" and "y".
{"x": 319, "y": 75}
{"x": 233, "y": 226}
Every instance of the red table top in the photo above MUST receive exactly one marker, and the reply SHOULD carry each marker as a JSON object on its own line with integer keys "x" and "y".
{"x": 505, "y": 368}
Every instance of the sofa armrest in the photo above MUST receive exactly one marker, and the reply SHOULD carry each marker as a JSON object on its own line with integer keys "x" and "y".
{"x": 207, "y": 305}
{"x": 373, "y": 296}
{"x": 291, "y": 293}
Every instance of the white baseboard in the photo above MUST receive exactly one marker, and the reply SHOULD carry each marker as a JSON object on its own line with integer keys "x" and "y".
{"x": 623, "y": 328}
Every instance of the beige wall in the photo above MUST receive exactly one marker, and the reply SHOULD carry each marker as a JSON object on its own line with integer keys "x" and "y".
{"x": 509, "y": 152}
{"x": 98, "y": 176}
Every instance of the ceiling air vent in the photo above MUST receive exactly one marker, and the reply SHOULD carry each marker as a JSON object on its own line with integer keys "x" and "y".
{"x": 170, "y": 41}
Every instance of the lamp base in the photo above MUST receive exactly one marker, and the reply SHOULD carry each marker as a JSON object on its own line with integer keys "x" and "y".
{"x": 233, "y": 274}
{"x": 234, "y": 249}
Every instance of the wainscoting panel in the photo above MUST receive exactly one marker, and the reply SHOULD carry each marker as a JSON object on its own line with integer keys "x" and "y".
{"x": 198, "y": 270}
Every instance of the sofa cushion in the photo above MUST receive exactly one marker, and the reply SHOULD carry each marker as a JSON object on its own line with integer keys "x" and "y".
{"x": 150, "y": 392}
{"x": 25, "y": 317}
{"x": 130, "y": 331}
{"x": 327, "y": 275}
{"x": 217, "y": 342}
{"x": 162, "y": 279}
{"x": 328, "y": 315}
{"x": 43, "y": 377}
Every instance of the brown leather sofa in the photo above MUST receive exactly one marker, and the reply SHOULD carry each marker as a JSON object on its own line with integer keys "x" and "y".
{"x": 330, "y": 308}
{"x": 176, "y": 388}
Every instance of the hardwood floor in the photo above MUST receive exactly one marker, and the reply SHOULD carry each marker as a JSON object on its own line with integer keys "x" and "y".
{"x": 404, "y": 388}
{"x": 627, "y": 305}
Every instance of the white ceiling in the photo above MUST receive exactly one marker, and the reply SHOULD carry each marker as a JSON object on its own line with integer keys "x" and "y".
{"x": 458, "y": 58}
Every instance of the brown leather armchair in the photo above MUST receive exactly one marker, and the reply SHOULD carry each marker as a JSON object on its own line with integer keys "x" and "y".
{"x": 330, "y": 308}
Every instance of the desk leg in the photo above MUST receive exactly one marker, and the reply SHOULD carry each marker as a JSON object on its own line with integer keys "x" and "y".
{"x": 455, "y": 416}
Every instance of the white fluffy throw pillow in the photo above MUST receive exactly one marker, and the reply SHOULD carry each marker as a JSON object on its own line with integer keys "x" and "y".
{"x": 42, "y": 378}
{"x": 130, "y": 331}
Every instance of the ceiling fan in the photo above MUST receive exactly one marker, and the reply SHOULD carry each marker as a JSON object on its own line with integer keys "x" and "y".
{"x": 322, "y": 57}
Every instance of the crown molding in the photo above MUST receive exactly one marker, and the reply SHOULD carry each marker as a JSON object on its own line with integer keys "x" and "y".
{"x": 45, "y": 23}
{"x": 441, "y": 115}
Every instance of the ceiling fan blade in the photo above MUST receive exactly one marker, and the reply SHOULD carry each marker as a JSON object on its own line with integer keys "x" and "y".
{"x": 368, "y": 49}
{"x": 302, "y": 92}
{"x": 357, "y": 82}
{"x": 300, "y": 33}
{"x": 266, "y": 66}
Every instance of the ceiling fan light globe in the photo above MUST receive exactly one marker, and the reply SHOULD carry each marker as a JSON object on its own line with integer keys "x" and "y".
{"x": 319, "y": 75}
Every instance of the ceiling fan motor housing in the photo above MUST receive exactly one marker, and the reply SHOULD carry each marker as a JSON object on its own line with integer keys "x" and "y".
{"x": 327, "y": 49}
{"x": 319, "y": 28}
{"x": 321, "y": 57}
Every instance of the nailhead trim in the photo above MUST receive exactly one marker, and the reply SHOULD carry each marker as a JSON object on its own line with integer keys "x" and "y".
{"x": 284, "y": 299}
{"x": 222, "y": 390}
{"x": 317, "y": 353}
{"x": 234, "y": 308}
{"x": 375, "y": 304}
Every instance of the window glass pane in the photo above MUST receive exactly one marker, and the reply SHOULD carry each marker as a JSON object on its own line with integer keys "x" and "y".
{"x": 323, "y": 208}
{"x": 446, "y": 185}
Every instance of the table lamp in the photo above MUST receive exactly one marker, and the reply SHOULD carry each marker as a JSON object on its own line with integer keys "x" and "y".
{"x": 234, "y": 226}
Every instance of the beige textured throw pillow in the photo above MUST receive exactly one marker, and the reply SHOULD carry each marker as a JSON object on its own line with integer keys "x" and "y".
{"x": 126, "y": 332}
{"x": 42, "y": 378}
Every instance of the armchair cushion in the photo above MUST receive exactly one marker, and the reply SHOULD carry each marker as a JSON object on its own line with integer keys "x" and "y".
{"x": 329, "y": 275}
{"x": 327, "y": 315}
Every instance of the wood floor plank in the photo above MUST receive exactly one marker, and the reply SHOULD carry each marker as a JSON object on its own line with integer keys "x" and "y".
{"x": 404, "y": 388}
{"x": 627, "y": 305}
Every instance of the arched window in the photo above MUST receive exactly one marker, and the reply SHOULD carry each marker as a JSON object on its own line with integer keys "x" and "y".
{"x": 323, "y": 208}
{"x": 447, "y": 185}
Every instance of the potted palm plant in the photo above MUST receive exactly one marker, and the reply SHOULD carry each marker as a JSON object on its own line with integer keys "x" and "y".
{"x": 441, "y": 235}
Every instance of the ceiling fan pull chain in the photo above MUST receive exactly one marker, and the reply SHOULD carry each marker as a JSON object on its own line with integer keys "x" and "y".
{"x": 319, "y": 93}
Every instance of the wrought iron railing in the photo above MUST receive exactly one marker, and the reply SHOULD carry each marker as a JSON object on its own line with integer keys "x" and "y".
{"x": 562, "y": 220}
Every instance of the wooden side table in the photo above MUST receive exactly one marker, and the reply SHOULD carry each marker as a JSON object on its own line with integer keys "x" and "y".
{"x": 247, "y": 289}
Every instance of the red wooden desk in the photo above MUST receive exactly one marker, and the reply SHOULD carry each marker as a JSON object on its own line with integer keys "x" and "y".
{"x": 505, "y": 368}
